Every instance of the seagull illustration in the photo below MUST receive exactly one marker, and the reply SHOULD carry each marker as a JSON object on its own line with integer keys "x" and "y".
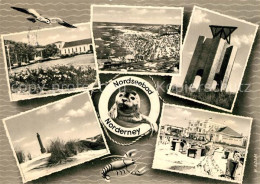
{"x": 38, "y": 17}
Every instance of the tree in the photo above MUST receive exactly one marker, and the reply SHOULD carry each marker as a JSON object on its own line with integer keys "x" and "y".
{"x": 17, "y": 53}
{"x": 50, "y": 50}
{"x": 29, "y": 156}
{"x": 31, "y": 52}
{"x": 20, "y": 52}
{"x": 20, "y": 156}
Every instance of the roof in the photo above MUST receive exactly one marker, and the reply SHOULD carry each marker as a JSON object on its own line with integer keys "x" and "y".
{"x": 230, "y": 132}
{"x": 77, "y": 43}
{"x": 58, "y": 42}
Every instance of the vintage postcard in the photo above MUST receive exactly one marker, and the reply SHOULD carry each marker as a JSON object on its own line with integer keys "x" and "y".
{"x": 47, "y": 62}
{"x": 215, "y": 54}
{"x": 137, "y": 39}
{"x": 56, "y": 136}
{"x": 202, "y": 143}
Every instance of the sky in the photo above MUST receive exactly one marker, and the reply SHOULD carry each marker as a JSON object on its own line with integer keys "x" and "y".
{"x": 242, "y": 38}
{"x": 180, "y": 116}
{"x": 137, "y": 15}
{"x": 52, "y": 35}
{"x": 72, "y": 118}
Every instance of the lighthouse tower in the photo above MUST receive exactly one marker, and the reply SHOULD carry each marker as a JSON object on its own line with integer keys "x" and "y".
{"x": 43, "y": 150}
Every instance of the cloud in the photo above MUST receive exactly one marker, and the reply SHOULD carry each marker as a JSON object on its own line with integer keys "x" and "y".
{"x": 171, "y": 118}
{"x": 84, "y": 28}
{"x": 237, "y": 65}
{"x": 186, "y": 113}
{"x": 158, "y": 11}
{"x": 56, "y": 107}
{"x": 69, "y": 131}
{"x": 64, "y": 120}
{"x": 200, "y": 17}
{"x": 25, "y": 40}
{"x": 80, "y": 112}
{"x": 72, "y": 37}
{"x": 190, "y": 53}
{"x": 232, "y": 124}
{"x": 19, "y": 140}
{"x": 174, "y": 114}
{"x": 113, "y": 11}
{"x": 88, "y": 124}
{"x": 53, "y": 37}
{"x": 242, "y": 39}
{"x": 43, "y": 110}
{"x": 81, "y": 28}
{"x": 59, "y": 105}
{"x": 139, "y": 11}
{"x": 47, "y": 138}
{"x": 182, "y": 112}
{"x": 30, "y": 143}
{"x": 175, "y": 18}
{"x": 229, "y": 122}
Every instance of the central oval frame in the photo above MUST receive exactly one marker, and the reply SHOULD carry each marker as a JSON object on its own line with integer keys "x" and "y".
{"x": 128, "y": 81}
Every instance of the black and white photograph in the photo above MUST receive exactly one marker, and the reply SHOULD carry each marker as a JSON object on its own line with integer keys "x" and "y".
{"x": 202, "y": 143}
{"x": 55, "y": 137}
{"x": 137, "y": 39}
{"x": 51, "y": 61}
{"x": 216, "y": 50}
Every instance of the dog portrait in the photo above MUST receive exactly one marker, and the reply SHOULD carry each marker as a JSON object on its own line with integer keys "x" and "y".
{"x": 126, "y": 110}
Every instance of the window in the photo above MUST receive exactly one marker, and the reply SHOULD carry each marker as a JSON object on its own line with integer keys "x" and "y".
{"x": 79, "y": 49}
{"x": 200, "y": 124}
{"x": 68, "y": 50}
{"x": 65, "y": 51}
{"x": 76, "y": 49}
{"x": 72, "y": 50}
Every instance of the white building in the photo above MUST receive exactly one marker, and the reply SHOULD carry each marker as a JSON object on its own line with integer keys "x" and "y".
{"x": 229, "y": 136}
{"x": 172, "y": 130}
{"x": 203, "y": 129}
{"x": 78, "y": 46}
{"x": 212, "y": 131}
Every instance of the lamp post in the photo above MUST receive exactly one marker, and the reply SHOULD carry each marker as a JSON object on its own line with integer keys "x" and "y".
{"x": 8, "y": 55}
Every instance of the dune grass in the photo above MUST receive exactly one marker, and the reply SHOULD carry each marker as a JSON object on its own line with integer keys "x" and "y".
{"x": 218, "y": 98}
{"x": 61, "y": 151}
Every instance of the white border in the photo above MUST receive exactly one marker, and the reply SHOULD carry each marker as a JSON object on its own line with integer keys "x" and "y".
{"x": 205, "y": 111}
{"x": 37, "y": 108}
{"x": 187, "y": 33}
{"x": 148, "y": 7}
{"x": 154, "y": 105}
{"x": 53, "y": 93}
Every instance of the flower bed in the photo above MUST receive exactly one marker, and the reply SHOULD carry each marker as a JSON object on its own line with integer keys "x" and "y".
{"x": 52, "y": 78}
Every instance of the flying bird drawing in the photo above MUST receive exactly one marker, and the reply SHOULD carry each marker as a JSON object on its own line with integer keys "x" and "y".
{"x": 38, "y": 17}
